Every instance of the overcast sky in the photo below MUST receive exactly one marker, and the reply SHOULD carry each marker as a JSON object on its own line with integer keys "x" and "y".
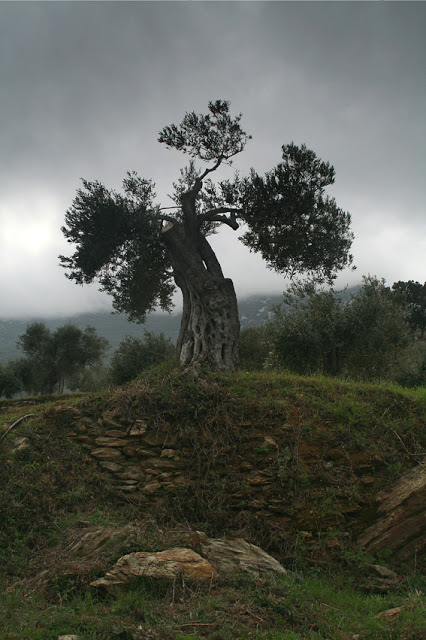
{"x": 86, "y": 87}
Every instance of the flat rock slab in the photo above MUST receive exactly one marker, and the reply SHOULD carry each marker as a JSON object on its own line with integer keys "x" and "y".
{"x": 233, "y": 555}
{"x": 107, "y": 453}
{"x": 139, "y": 428}
{"x": 107, "y": 441}
{"x": 169, "y": 565}
{"x": 390, "y": 615}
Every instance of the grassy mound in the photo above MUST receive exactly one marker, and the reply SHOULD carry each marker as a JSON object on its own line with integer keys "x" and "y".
{"x": 291, "y": 464}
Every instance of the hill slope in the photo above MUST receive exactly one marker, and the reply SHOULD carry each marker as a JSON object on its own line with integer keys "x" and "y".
{"x": 291, "y": 464}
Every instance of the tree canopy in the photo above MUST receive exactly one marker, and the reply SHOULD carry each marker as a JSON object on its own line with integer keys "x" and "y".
{"x": 52, "y": 358}
{"x": 140, "y": 252}
{"x": 412, "y": 297}
{"x": 134, "y": 355}
{"x": 319, "y": 331}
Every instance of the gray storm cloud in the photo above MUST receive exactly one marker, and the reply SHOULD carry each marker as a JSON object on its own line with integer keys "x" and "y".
{"x": 85, "y": 88}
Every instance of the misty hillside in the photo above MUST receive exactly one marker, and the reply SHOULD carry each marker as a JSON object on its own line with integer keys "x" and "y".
{"x": 114, "y": 327}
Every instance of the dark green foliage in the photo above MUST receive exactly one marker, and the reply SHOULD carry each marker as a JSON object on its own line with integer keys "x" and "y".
{"x": 412, "y": 297}
{"x": 377, "y": 331}
{"x": 134, "y": 355}
{"x": 410, "y": 368}
{"x": 15, "y": 375}
{"x": 308, "y": 332}
{"x": 53, "y": 358}
{"x": 254, "y": 348}
{"x": 212, "y": 137}
{"x": 117, "y": 243}
{"x": 93, "y": 378}
{"x": 316, "y": 331}
{"x": 293, "y": 224}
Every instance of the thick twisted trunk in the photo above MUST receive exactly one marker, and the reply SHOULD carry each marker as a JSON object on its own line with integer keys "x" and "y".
{"x": 210, "y": 325}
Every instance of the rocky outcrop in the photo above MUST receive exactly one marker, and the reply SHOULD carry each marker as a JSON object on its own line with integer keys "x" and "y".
{"x": 234, "y": 555}
{"x": 215, "y": 557}
{"x": 169, "y": 565}
{"x": 401, "y": 517}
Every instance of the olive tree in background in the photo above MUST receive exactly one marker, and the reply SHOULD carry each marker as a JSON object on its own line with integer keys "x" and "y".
{"x": 412, "y": 297}
{"x": 53, "y": 358}
{"x": 308, "y": 332}
{"x": 15, "y": 377}
{"x": 318, "y": 331}
{"x": 254, "y": 348}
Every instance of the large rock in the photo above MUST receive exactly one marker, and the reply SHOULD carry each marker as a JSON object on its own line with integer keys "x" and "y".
{"x": 169, "y": 565}
{"x": 401, "y": 517}
{"x": 233, "y": 555}
{"x": 379, "y": 580}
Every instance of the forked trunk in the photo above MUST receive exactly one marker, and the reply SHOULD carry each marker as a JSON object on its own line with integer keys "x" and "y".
{"x": 210, "y": 327}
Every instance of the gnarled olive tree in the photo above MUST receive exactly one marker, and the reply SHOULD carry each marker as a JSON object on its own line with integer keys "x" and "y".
{"x": 139, "y": 252}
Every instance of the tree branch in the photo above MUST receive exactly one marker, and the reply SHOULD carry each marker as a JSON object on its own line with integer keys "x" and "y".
{"x": 214, "y": 215}
{"x": 213, "y": 212}
{"x": 199, "y": 180}
{"x": 230, "y": 221}
{"x": 164, "y": 216}
{"x": 168, "y": 226}
{"x": 209, "y": 258}
{"x": 213, "y": 168}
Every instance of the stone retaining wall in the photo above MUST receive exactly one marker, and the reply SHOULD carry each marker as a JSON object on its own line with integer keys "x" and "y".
{"x": 145, "y": 459}
{"x": 306, "y": 486}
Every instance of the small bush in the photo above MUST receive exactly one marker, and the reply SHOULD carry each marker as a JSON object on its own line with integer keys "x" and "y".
{"x": 134, "y": 355}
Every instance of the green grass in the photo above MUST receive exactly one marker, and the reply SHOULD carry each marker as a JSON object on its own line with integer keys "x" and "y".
{"x": 311, "y": 607}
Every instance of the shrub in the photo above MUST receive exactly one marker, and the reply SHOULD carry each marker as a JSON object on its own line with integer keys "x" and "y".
{"x": 134, "y": 355}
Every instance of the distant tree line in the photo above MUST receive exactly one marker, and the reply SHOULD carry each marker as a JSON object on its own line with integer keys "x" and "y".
{"x": 51, "y": 359}
{"x": 377, "y": 334}
{"x": 72, "y": 359}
